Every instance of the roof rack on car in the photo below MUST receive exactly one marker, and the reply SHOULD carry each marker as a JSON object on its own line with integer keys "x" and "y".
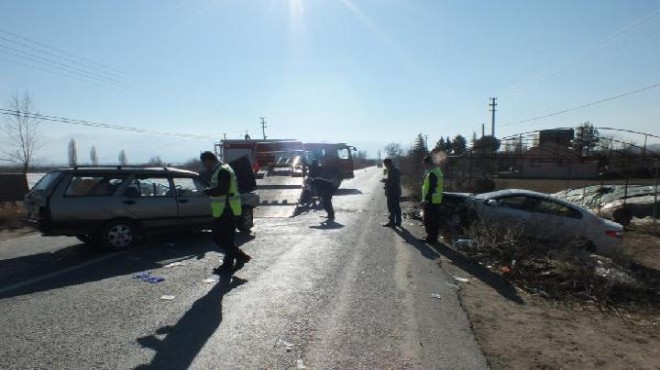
{"x": 118, "y": 167}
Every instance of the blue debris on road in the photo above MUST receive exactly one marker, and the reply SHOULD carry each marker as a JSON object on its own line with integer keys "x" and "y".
{"x": 147, "y": 277}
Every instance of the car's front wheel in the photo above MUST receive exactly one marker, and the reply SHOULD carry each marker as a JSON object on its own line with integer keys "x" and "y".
{"x": 119, "y": 235}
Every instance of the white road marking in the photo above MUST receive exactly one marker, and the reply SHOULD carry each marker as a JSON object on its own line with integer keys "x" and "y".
{"x": 59, "y": 272}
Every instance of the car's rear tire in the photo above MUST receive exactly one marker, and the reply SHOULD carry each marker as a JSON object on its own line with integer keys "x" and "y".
{"x": 119, "y": 235}
{"x": 246, "y": 220}
{"x": 584, "y": 244}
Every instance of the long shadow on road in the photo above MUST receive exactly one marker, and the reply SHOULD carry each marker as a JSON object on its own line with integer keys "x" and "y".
{"x": 184, "y": 341}
{"x": 80, "y": 264}
{"x": 495, "y": 281}
{"x": 411, "y": 239}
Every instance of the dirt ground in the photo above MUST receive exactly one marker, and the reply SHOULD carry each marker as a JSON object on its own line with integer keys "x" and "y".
{"x": 517, "y": 330}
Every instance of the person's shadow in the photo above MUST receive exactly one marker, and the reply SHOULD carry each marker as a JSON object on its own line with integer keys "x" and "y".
{"x": 327, "y": 225}
{"x": 423, "y": 248}
{"x": 495, "y": 281}
{"x": 187, "y": 337}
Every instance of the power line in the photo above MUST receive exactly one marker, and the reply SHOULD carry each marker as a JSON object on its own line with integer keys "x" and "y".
{"x": 49, "y": 70}
{"x": 55, "y": 64}
{"x": 33, "y": 54}
{"x": 10, "y": 112}
{"x": 650, "y": 87}
{"x": 89, "y": 62}
{"x": 555, "y": 69}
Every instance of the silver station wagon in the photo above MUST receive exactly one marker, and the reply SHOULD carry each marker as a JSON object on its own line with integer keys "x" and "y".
{"x": 115, "y": 206}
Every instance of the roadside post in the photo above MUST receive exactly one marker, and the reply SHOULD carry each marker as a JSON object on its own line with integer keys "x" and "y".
{"x": 655, "y": 193}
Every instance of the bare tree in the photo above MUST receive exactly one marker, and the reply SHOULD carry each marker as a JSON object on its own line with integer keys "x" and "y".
{"x": 155, "y": 161}
{"x": 123, "y": 159}
{"x": 22, "y": 129}
{"x": 73, "y": 153}
{"x": 394, "y": 150}
{"x": 93, "y": 157}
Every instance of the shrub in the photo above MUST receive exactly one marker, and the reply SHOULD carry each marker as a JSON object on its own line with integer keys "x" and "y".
{"x": 11, "y": 214}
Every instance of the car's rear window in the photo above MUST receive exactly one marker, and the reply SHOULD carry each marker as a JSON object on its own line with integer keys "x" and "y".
{"x": 94, "y": 185}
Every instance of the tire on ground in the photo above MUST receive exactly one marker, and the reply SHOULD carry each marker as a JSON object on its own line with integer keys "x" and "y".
{"x": 119, "y": 235}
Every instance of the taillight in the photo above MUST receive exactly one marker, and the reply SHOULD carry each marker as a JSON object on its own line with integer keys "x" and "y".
{"x": 614, "y": 233}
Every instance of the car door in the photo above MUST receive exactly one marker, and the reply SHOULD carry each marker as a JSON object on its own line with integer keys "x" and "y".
{"x": 150, "y": 200}
{"x": 554, "y": 221}
{"x": 83, "y": 202}
{"x": 193, "y": 206}
{"x": 508, "y": 210}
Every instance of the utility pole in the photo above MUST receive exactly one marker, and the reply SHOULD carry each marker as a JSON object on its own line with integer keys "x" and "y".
{"x": 492, "y": 105}
{"x": 263, "y": 126}
{"x": 483, "y": 129}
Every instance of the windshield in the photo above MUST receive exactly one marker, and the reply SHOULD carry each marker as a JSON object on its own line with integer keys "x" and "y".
{"x": 46, "y": 181}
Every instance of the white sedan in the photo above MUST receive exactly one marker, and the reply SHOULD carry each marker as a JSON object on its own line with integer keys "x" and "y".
{"x": 548, "y": 218}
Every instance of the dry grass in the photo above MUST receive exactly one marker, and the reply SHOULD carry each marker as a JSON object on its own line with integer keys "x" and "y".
{"x": 11, "y": 214}
{"x": 562, "y": 272}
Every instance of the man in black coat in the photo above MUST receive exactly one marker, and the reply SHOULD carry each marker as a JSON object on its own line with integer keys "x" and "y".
{"x": 393, "y": 193}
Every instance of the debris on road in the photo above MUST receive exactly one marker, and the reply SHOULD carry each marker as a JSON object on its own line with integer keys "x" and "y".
{"x": 287, "y": 345}
{"x": 148, "y": 278}
{"x": 175, "y": 264}
{"x": 210, "y": 281}
{"x": 461, "y": 279}
{"x": 167, "y": 297}
{"x": 300, "y": 364}
{"x": 454, "y": 286}
{"x": 463, "y": 243}
{"x": 436, "y": 296}
{"x": 413, "y": 216}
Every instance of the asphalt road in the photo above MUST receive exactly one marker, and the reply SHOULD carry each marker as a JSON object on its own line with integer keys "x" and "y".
{"x": 348, "y": 295}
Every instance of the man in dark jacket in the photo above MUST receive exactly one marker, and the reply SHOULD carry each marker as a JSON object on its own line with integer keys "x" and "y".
{"x": 323, "y": 186}
{"x": 393, "y": 193}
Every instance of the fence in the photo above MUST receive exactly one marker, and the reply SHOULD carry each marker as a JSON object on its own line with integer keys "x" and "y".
{"x": 13, "y": 187}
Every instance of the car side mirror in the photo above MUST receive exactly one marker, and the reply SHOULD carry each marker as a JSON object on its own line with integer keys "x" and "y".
{"x": 492, "y": 202}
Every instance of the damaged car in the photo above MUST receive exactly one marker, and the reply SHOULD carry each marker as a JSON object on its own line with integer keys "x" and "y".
{"x": 547, "y": 218}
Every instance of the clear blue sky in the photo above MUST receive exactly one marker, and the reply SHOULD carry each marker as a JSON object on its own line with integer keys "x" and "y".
{"x": 367, "y": 72}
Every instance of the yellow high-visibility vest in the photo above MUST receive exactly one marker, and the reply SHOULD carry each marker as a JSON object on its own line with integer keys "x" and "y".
{"x": 436, "y": 197}
{"x": 218, "y": 203}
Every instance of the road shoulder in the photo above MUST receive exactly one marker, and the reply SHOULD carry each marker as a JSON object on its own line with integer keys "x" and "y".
{"x": 536, "y": 333}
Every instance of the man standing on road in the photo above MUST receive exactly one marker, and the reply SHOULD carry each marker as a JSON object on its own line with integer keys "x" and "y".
{"x": 431, "y": 199}
{"x": 323, "y": 187}
{"x": 225, "y": 208}
{"x": 393, "y": 193}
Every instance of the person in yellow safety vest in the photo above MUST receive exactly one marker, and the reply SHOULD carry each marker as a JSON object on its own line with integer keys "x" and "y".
{"x": 225, "y": 209}
{"x": 431, "y": 199}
